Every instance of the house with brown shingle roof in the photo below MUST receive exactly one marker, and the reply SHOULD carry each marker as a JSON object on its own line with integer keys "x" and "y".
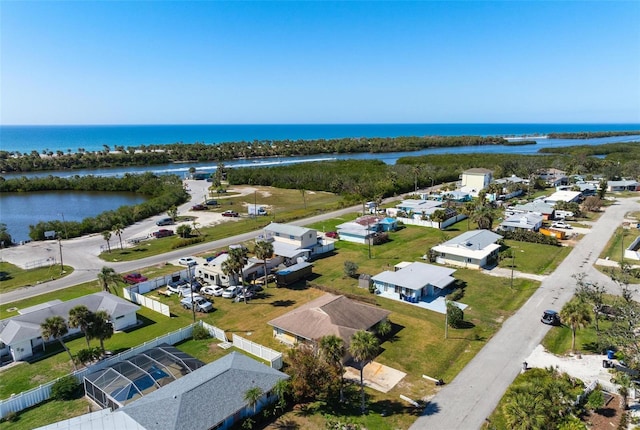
{"x": 326, "y": 315}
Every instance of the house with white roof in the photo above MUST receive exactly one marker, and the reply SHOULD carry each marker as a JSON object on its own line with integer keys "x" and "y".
{"x": 365, "y": 228}
{"x": 292, "y": 242}
{"x": 474, "y": 249}
{"x": 563, "y": 196}
{"x": 21, "y": 336}
{"x": 413, "y": 281}
{"x": 624, "y": 185}
{"x": 522, "y": 222}
{"x": 537, "y": 206}
{"x": 554, "y": 177}
{"x": 415, "y": 207}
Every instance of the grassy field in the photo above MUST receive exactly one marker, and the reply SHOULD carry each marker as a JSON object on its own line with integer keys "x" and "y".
{"x": 620, "y": 240}
{"x": 534, "y": 258}
{"x": 287, "y": 205}
{"x": 416, "y": 347}
{"x": 14, "y": 277}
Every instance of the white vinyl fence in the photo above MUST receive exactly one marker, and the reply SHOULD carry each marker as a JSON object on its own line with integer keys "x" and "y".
{"x": 155, "y": 283}
{"x": 215, "y": 332}
{"x": 147, "y": 302}
{"x": 268, "y": 354}
{"x": 424, "y": 223}
{"x": 37, "y": 395}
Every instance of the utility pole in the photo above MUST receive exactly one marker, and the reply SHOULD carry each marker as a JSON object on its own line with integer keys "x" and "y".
{"x": 193, "y": 305}
{"x": 61, "y": 263}
{"x": 513, "y": 263}
{"x": 446, "y": 320}
{"x": 66, "y": 233}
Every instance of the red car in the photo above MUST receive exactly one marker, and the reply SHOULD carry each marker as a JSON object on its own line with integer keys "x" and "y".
{"x": 199, "y": 208}
{"x": 230, "y": 213}
{"x": 332, "y": 234}
{"x": 134, "y": 278}
{"x": 163, "y": 232}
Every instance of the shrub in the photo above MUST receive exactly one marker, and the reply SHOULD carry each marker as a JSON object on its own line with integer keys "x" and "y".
{"x": 529, "y": 236}
{"x": 187, "y": 242}
{"x": 350, "y": 269}
{"x": 455, "y": 315}
{"x": 65, "y": 388}
{"x": 200, "y": 333}
{"x": 11, "y": 417}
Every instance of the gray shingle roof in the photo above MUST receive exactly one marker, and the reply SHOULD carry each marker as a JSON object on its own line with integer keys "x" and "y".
{"x": 27, "y": 326}
{"x": 205, "y": 397}
{"x": 417, "y": 275}
{"x": 287, "y": 229}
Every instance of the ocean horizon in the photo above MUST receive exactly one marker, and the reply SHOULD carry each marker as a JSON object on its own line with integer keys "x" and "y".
{"x": 70, "y": 138}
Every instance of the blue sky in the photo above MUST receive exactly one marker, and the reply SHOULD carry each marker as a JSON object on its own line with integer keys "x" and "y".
{"x": 208, "y": 62}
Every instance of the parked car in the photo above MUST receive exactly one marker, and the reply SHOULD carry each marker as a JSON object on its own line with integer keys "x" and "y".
{"x": 199, "y": 208}
{"x": 176, "y": 286}
{"x": 550, "y": 317}
{"x": 211, "y": 202}
{"x": 214, "y": 290}
{"x": 230, "y": 213}
{"x": 164, "y": 221}
{"x": 196, "y": 285}
{"x": 163, "y": 232}
{"x": 242, "y": 294}
{"x": 201, "y": 304}
{"x": 231, "y": 292}
{"x": 561, "y": 224}
{"x": 187, "y": 261}
{"x": 134, "y": 278}
{"x": 332, "y": 234}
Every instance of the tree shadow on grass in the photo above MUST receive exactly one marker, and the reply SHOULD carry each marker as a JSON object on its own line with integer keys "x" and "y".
{"x": 283, "y": 303}
{"x": 393, "y": 334}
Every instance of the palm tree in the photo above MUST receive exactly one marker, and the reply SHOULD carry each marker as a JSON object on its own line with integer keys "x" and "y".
{"x": 81, "y": 317}
{"x": 332, "y": 348}
{"x": 525, "y": 410}
{"x": 364, "y": 347}
{"x": 577, "y": 315}
{"x": 118, "y": 229}
{"x": 484, "y": 217}
{"x": 264, "y": 250}
{"x": 282, "y": 389}
{"x": 106, "y": 276}
{"x": 252, "y": 396}
{"x": 106, "y": 235}
{"x": 234, "y": 264}
{"x": 55, "y": 327}
{"x": 101, "y": 327}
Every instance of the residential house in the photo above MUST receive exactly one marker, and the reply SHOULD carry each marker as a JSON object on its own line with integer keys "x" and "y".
{"x": 624, "y": 185}
{"x": 212, "y": 271}
{"x": 415, "y": 208}
{"x": 413, "y": 281}
{"x": 512, "y": 186}
{"x": 327, "y": 315}
{"x": 209, "y": 397}
{"x": 475, "y": 180}
{"x": 537, "y": 206}
{"x": 21, "y": 336}
{"x": 554, "y": 177}
{"x": 563, "y": 196}
{"x": 365, "y": 228}
{"x": 474, "y": 249}
{"x": 457, "y": 196}
{"x": 522, "y": 222}
{"x": 294, "y": 243}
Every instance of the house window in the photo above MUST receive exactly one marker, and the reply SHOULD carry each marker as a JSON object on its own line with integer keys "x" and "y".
{"x": 291, "y": 237}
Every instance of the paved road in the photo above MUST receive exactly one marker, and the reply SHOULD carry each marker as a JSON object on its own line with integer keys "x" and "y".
{"x": 83, "y": 254}
{"x": 471, "y": 397}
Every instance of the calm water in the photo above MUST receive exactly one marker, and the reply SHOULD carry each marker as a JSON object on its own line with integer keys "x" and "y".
{"x": 93, "y": 138}
{"x": 19, "y": 210}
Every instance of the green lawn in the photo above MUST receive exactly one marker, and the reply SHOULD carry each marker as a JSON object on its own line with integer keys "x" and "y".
{"x": 416, "y": 346}
{"x": 287, "y": 205}
{"x": 14, "y": 277}
{"x": 534, "y": 257}
{"x": 620, "y": 240}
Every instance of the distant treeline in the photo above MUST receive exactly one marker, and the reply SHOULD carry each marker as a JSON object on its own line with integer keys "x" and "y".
{"x": 371, "y": 179}
{"x": 163, "y": 192}
{"x": 592, "y": 134}
{"x": 11, "y": 162}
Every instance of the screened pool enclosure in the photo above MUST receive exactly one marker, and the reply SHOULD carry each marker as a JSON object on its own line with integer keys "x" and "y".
{"x": 132, "y": 378}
